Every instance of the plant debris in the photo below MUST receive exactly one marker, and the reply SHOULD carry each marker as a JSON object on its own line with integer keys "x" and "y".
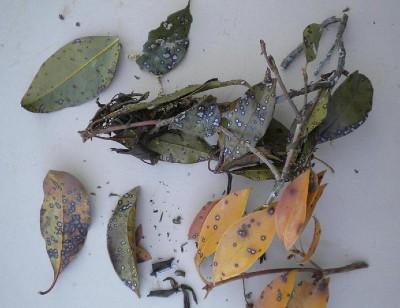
{"x": 177, "y": 220}
{"x": 161, "y": 266}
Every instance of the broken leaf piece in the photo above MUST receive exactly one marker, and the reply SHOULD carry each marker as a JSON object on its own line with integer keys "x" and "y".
{"x": 74, "y": 74}
{"x": 198, "y": 221}
{"x": 315, "y": 241}
{"x": 167, "y": 45}
{"x": 161, "y": 266}
{"x": 243, "y": 243}
{"x": 310, "y": 295}
{"x": 121, "y": 242}
{"x": 278, "y": 292}
{"x": 64, "y": 219}
{"x": 290, "y": 213}
{"x": 348, "y": 108}
{"x": 311, "y": 37}
{"x": 222, "y": 215}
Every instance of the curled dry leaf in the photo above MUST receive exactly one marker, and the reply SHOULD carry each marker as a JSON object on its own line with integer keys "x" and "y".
{"x": 291, "y": 210}
{"x": 64, "y": 219}
{"x": 278, "y": 292}
{"x": 74, "y": 74}
{"x": 315, "y": 241}
{"x": 222, "y": 215}
{"x": 198, "y": 221}
{"x": 121, "y": 241}
{"x": 314, "y": 195}
{"x": 243, "y": 243}
{"x": 310, "y": 295}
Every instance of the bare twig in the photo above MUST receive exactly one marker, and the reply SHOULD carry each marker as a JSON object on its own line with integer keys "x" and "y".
{"x": 325, "y": 163}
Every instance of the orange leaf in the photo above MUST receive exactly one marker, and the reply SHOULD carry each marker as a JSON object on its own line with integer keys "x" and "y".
{"x": 277, "y": 294}
{"x": 310, "y": 295}
{"x": 222, "y": 215}
{"x": 291, "y": 209}
{"x": 142, "y": 255}
{"x": 312, "y": 201}
{"x": 243, "y": 243}
{"x": 198, "y": 221}
{"x": 314, "y": 242}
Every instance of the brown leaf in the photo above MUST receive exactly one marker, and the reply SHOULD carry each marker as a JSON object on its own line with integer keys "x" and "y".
{"x": 315, "y": 241}
{"x": 310, "y": 295}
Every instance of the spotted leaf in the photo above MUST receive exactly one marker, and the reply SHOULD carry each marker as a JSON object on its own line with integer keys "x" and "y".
{"x": 310, "y": 295}
{"x": 202, "y": 119}
{"x": 243, "y": 243}
{"x": 291, "y": 210}
{"x": 64, "y": 219}
{"x": 167, "y": 45}
{"x": 180, "y": 147}
{"x": 121, "y": 242}
{"x": 348, "y": 108}
{"x": 276, "y": 138}
{"x": 311, "y": 36}
{"x": 198, "y": 221}
{"x": 249, "y": 119}
{"x": 278, "y": 292}
{"x": 317, "y": 114}
{"x": 222, "y": 215}
{"x": 315, "y": 241}
{"x": 74, "y": 74}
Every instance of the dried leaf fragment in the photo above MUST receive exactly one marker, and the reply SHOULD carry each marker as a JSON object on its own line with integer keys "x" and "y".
{"x": 310, "y": 295}
{"x": 315, "y": 241}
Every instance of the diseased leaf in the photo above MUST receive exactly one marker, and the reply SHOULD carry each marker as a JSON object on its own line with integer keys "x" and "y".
{"x": 311, "y": 36}
{"x": 121, "y": 242}
{"x": 315, "y": 241}
{"x": 278, "y": 292}
{"x": 249, "y": 120}
{"x": 243, "y": 243}
{"x": 74, "y": 74}
{"x": 64, "y": 219}
{"x": 255, "y": 173}
{"x": 348, "y": 108}
{"x": 167, "y": 45}
{"x": 198, "y": 221}
{"x": 310, "y": 295}
{"x": 202, "y": 119}
{"x": 291, "y": 210}
{"x": 317, "y": 114}
{"x": 276, "y": 138}
{"x": 222, "y": 215}
{"x": 180, "y": 147}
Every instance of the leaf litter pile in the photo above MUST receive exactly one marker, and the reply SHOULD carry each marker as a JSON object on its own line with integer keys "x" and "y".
{"x": 249, "y": 141}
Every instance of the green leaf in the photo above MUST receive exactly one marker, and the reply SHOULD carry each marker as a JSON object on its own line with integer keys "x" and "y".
{"x": 249, "y": 120}
{"x": 276, "y": 138}
{"x": 167, "y": 45}
{"x": 311, "y": 37}
{"x": 348, "y": 108}
{"x": 317, "y": 114}
{"x": 73, "y": 75}
{"x": 121, "y": 242}
{"x": 64, "y": 219}
{"x": 179, "y": 147}
{"x": 255, "y": 173}
{"x": 202, "y": 119}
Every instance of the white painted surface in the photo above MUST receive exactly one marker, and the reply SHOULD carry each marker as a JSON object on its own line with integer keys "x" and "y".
{"x": 359, "y": 212}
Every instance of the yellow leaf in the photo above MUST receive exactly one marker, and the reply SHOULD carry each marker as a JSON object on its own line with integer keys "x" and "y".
{"x": 291, "y": 210}
{"x": 223, "y": 214}
{"x": 198, "y": 221}
{"x": 314, "y": 242}
{"x": 277, "y": 294}
{"x": 310, "y": 295}
{"x": 243, "y": 243}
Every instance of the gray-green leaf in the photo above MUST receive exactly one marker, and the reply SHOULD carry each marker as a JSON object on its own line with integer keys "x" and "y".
{"x": 311, "y": 37}
{"x": 167, "y": 45}
{"x": 348, "y": 108}
{"x": 255, "y": 173}
{"x": 318, "y": 113}
{"x": 179, "y": 147}
{"x": 74, "y": 74}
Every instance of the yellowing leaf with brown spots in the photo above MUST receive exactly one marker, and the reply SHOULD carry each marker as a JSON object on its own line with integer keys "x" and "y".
{"x": 228, "y": 210}
{"x": 243, "y": 243}
{"x": 277, "y": 293}
{"x": 310, "y": 295}
{"x": 291, "y": 210}
{"x": 315, "y": 241}
{"x": 198, "y": 221}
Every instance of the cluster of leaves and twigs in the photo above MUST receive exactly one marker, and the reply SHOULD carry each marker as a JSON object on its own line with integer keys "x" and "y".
{"x": 178, "y": 128}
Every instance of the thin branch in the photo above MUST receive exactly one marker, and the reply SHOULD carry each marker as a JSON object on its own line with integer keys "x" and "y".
{"x": 325, "y": 163}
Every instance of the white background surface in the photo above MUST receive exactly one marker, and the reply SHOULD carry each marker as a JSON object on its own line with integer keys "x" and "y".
{"x": 359, "y": 212}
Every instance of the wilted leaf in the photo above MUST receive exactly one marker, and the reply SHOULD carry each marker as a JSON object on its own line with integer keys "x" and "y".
{"x": 348, "y": 108}
{"x": 64, "y": 219}
{"x": 199, "y": 220}
{"x": 76, "y": 73}
{"x": 222, "y": 215}
{"x": 310, "y": 295}
{"x": 167, "y": 45}
{"x": 291, "y": 210}
{"x": 243, "y": 243}
{"x": 311, "y": 37}
{"x": 121, "y": 242}
{"x": 249, "y": 120}
{"x": 179, "y": 147}
{"x": 315, "y": 241}
{"x": 278, "y": 292}
{"x": 317, "y": 114}
{"x": 202, "y": 119}
{"x": 255, "y": 173}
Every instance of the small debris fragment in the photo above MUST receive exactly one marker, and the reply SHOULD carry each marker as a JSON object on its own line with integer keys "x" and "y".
{"x": 155, "y": 211}
{"x": 98, "y": 186}
{"x": 93, "y": 194}
{"x": 161, "y": 266}
{"x": 180, "y": 273}
{"x": 61, "y": 16}
{"x": 183, "y": 245}
{"x": 111, "y": 194}
{"x": 161, "y": 216}
{"x": 356, "y": 171}
{"x": 177, "y": 220}
{"x": 136, "y": 77}
{"x": 77, "y": 24}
